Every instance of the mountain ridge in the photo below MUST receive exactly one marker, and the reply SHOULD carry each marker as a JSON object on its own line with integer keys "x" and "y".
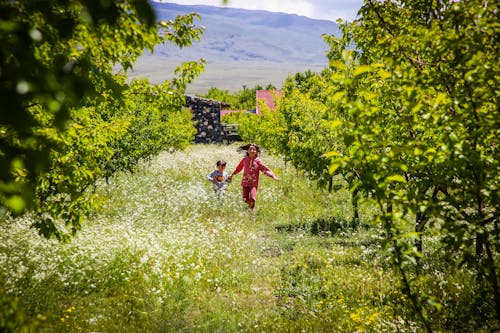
{"x": 280, "y": 44}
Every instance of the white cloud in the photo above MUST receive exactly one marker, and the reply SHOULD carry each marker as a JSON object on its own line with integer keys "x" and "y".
{"x": 318, "y": 9}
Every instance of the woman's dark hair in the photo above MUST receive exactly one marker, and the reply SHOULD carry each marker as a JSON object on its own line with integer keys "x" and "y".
{"x": 247, "y": 146}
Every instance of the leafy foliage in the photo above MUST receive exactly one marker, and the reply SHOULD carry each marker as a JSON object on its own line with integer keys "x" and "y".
{"x": 247, "y": 124}
{"x": 241, "y": 99}
{"x": 156, "y": 121}
{"x": 72, "y": 120}
{"x": 407, "y": 113}
{"x": 421, "y": 129}
{"x": 164, "y": 255}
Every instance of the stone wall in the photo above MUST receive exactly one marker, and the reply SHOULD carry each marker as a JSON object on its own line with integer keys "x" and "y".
{"x": 206, "y": 114}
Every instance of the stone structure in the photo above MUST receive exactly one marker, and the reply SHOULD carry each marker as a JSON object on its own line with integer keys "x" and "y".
{"x": 206, "y": 114}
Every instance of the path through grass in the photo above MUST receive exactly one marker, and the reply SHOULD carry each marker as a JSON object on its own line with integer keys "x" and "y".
{"x": 162, "y": 255}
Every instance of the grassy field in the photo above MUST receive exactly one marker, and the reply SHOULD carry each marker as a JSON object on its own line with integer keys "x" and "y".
{"x": 163, "y": 255}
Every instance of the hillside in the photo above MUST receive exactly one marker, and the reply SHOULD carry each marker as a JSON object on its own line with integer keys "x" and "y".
{"x": 241, "y": 47}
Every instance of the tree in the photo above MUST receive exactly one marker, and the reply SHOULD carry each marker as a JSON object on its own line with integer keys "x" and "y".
{"x": 422, "y": 129}
{"x": 240, "y": 100}
{"x": 225, "y": 96}
{"x": 58, "y": 84}
{"x": 407, "y": 111}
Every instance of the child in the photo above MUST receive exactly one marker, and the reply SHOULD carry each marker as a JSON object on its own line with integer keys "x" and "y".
{"x": 251, "y": 166}
{"x": 219, "y": 179}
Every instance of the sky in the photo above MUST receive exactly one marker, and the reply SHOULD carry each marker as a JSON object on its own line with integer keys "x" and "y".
{"x": 317, "y": 9}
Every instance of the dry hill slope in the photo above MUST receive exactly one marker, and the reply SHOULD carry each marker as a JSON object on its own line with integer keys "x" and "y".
{"x": 241, "y": 47}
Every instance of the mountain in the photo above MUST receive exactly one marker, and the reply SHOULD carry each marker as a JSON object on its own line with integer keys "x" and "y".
{"x": 241, "y": 47}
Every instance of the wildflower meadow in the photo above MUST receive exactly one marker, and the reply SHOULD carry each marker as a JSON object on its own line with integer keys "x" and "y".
{"x": 162, "y": 254}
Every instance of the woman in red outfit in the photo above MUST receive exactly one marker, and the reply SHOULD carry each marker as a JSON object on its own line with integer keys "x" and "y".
{"x": 251, "y": 166}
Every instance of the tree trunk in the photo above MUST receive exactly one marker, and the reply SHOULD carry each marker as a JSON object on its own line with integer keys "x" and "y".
{"x": 355, "y": 207}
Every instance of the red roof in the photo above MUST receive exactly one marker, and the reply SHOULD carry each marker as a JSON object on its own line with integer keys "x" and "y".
{"x": 269, "y": 97}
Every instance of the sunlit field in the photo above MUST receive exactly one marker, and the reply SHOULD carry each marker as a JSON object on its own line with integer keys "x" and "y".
{"x": 162, "y": 254}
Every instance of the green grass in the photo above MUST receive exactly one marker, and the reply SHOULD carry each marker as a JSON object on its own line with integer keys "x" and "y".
{"x": 162, "y": 255}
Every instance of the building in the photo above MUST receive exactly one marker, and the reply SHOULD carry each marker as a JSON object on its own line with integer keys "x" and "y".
{"x": 268, "y": 98}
